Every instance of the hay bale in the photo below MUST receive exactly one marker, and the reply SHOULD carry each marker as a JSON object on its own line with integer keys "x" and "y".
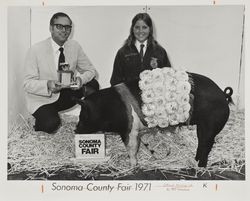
{"x": 37, "y": 151}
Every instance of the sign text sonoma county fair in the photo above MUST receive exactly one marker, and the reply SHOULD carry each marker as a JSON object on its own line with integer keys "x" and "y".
{"x": 90, "y": 146}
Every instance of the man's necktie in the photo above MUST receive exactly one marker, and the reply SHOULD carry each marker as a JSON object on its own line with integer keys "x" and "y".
{"x": 141, "y": 52}
{"x": 61, "y": 58}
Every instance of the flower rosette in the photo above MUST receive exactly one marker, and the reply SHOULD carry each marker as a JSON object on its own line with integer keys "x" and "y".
{"x": 165, "y": 96}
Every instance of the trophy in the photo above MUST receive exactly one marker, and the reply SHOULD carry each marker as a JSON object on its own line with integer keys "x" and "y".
{"x": 66, "y": 76}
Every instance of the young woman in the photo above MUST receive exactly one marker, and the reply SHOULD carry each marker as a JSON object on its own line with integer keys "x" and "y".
{"x": 140, "y": 52}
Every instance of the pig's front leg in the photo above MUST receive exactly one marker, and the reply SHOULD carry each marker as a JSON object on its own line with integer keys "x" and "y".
{"x": 132, "y": 147}
{"x": 133, "y": 141}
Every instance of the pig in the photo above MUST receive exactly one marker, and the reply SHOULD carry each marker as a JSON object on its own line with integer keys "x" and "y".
{"x": 118, "y": 109}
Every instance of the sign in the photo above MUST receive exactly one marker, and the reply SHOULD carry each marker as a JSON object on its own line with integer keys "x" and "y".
{"x": 90, "y": 146}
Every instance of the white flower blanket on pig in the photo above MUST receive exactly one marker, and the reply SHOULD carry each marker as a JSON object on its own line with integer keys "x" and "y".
{"x": 166, "y": 96}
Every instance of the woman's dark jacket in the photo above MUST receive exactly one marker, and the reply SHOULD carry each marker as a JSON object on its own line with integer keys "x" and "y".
{"x": 128, "y": 65}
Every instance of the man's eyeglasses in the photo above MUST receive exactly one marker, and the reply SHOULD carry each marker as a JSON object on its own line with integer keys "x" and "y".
{"x": 60, "y": 27}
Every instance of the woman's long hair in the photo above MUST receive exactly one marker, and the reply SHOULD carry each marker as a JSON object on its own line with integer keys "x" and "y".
{"x": 147, "y": 19}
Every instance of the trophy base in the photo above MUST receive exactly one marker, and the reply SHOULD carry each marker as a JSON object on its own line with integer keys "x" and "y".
{"x": 74, "y": 86}
{"x": 71, "y": 86}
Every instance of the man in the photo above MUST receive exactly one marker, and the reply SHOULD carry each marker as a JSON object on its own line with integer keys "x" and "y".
{"x": 45, "y": 95}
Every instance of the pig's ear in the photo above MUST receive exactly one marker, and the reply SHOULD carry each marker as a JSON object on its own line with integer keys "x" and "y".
{"x": 78, "y": 100}
{"x": 84, "y": 115}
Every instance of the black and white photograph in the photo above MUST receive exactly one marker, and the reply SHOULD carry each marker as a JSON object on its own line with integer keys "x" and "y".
{"x": 136, "y": 98}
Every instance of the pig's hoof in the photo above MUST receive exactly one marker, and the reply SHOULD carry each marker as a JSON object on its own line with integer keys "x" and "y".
{"x": 133, "y": 163}
{"x": 202, "y": 164}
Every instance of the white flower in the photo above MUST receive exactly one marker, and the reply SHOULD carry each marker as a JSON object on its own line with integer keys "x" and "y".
{"x": 147, "y": 96}
{"x": 183, "y": 87}
{"x": 167, "y": 79}
{"x": 168, "y": 71}
{"x": 183, "y": 99}
{"x": 168, "y": 83}
{"x": 181, "y": 75}
{"x": 171, "y": 107}
{"x": 171, "y": 96}
{"x": 173, "y": 120}
{"x": 146, "y": 74}
{"x": 148, "y": 109}
{"x": 186, "y": 115}
{"x": 171, "y": 84}
{"x": 165, "y": 70}
{"x": 161, "y": 112}
{"x": 163, "y": 122}
{"x": 158, "y": 88}
{"x": 182, "y": 117}
{"x": 160, "y": 101}
{"x": 152, "y": 122}
{"x": 145, "y": 83}
{"x": 157, "y": 71}
{"x": 186, "y": 107}
{"x": 157, "y": 75}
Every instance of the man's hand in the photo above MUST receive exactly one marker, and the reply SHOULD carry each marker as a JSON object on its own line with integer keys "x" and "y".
{"x": 78, "y": 83}
{"x": 54, "y": 86}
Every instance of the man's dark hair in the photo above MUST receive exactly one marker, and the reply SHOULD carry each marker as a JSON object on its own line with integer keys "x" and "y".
{"x": 56, "y": 15}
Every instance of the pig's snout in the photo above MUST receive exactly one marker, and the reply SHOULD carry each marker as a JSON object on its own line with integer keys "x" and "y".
{"x": 79, "y": 128}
